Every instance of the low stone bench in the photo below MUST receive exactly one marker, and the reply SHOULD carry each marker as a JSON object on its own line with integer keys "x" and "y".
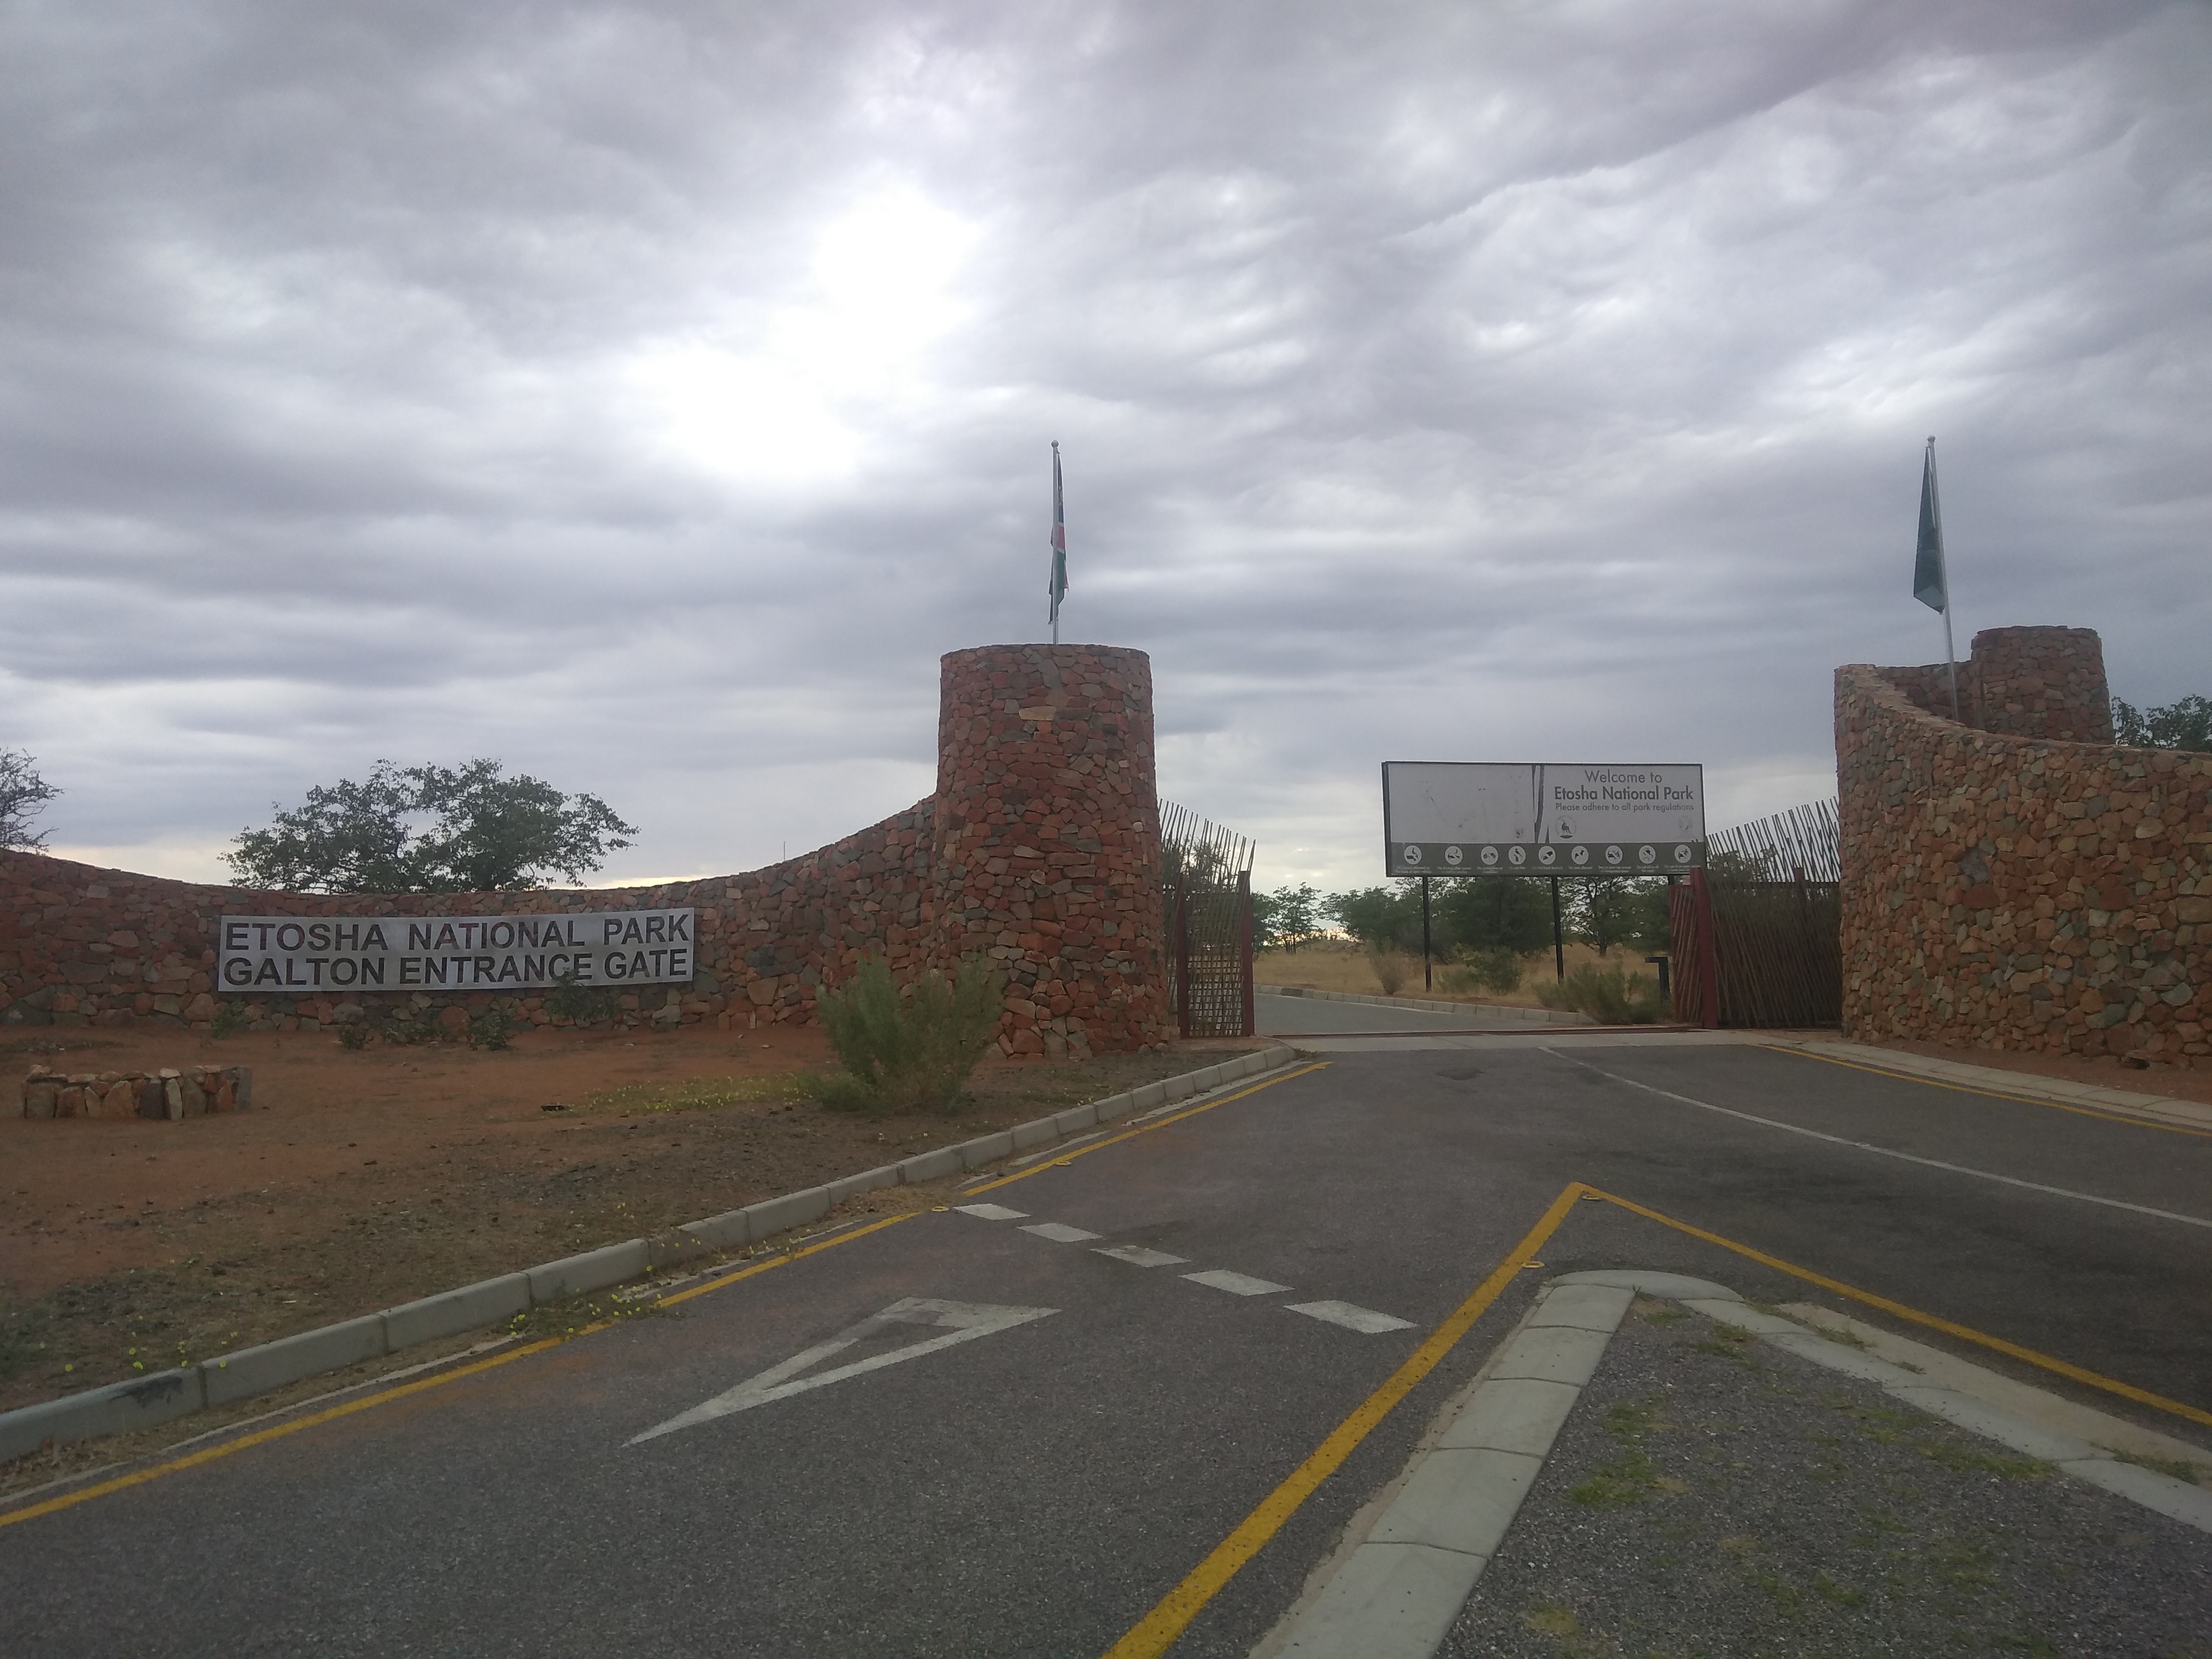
{"x": 193, "y": 1091}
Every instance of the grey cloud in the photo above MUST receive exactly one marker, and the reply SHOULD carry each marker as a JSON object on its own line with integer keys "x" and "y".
{"x": 1434, "y": 381}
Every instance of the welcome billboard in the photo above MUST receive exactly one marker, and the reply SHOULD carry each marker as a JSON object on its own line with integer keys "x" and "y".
{"x": 1496, "y": 817}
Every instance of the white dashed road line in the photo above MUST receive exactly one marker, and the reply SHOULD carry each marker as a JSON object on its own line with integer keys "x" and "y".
{"x": 1221, "y": 1278}
{"x": 1365, "y": 1321}
{"x": 1349, "y": 1316}
{"x": 1138, "y": 1256}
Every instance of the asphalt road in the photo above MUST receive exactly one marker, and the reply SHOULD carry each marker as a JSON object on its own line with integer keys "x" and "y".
{"x": 1277, "y": 1015}
{"x": 1081, "y": 1429}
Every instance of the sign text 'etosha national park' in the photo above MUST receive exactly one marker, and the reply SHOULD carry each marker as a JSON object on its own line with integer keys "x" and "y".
{"x": 401, "y": 953}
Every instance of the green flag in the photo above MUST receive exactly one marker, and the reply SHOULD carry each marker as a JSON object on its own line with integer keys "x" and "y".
{"x": 1929, "y": 585}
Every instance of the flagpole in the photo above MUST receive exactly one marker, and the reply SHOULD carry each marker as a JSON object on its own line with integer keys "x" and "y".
{"x": 1950, "y": 650}
{"x": 1057, "y": 587}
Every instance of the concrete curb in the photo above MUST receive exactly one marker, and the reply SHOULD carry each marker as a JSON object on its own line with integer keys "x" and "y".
{"x": 1397, "y": 1591}
{"x": 149, "y": 1401}
{"x": 1531, "y": 1015}
{"x": 2162, "y": 1108}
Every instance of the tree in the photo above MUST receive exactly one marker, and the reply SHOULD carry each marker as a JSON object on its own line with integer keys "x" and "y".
{"x": 23, "y": 793}
{"x": 1610, "y": 910}
{"x": 1293, "y": 916}
{"x": 486, "y": 831}
{"x": 1380, "y": 918}
{"x": 1492, "y": 913}
{"x": 2184, "y": 725}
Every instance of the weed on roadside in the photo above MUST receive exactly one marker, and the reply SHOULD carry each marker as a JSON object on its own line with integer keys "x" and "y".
{"x": 1963, "y": 1459}
{"x": 1730, "y": 1342}
{"x": 1633, "y": 1476}
{"x": 581, "y": 1313}
{"x": 2174, "y": 1468}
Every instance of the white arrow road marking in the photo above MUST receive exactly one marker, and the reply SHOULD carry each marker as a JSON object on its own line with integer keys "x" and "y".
{"x": 963, "y": 1322}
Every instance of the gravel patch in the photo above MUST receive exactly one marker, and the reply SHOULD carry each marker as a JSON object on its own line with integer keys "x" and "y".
{"x": 1714, "y": 1496}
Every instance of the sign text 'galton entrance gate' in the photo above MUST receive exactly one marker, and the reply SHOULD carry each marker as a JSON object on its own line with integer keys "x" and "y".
{"x": 393, "y": 953}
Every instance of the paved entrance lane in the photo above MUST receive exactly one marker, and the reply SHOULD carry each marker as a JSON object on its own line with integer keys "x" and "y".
{"x": 2124, "y": 1295}
{"x": 1038, "y": 1489}
{"x": 2104, "y": 1155}
{"x": 1032, "y": 1491}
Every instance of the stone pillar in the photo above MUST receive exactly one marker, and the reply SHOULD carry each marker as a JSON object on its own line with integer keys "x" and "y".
{"x": 1045, "y": 843}
{"x": 2045, "y": 682}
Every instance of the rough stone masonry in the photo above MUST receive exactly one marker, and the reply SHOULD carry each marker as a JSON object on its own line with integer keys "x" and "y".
{"x": 1040, "y": 849}
{"x": 2018, "y": 881}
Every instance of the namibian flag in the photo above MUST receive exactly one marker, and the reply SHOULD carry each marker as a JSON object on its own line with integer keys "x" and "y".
{"x": 1058, "y": 587}
{"x": 1929, "y": 585}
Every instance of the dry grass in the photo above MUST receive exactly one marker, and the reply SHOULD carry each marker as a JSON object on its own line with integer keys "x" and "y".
{"x": 1328, "y": 967}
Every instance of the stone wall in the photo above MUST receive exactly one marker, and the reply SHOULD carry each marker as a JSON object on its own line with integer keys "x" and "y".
{"x": 82, "y": 945}
{"x": 1048, "y": 857}
{"x": 2015, "y": 887}
{"x": 173, "y": 1092}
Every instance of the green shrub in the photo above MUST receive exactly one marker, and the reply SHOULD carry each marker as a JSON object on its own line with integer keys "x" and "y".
{"x": 1485, "y": 970}
{"x": 492, "y": 1027}
{"x": 1607, "y": 994}
{"x": 405, "y": 1027}
{"x": 911, "y": 1049}
{"x": 354, "y": 1036}
{"x": 585, "y": 1005}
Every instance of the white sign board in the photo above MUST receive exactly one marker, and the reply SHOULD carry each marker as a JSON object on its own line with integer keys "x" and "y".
{"x": 447, "y": 953}
{"x": 1476, "y": 818}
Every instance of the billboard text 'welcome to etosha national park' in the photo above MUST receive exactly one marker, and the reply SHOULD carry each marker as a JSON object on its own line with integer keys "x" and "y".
{"x": 1476, "y": 818}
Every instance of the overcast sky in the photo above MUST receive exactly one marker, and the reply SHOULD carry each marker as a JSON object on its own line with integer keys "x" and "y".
{"x": 647, "y": 395}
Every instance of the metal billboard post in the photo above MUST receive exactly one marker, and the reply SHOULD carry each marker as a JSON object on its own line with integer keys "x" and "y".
{"x": 1558, "y": 936}
{"x": 1426, "y": 984}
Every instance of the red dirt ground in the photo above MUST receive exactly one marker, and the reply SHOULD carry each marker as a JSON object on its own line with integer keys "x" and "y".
{"x": 365, "y": 1178}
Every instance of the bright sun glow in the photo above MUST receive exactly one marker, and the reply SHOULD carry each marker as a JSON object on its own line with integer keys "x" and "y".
{"x": 787, "y": 407}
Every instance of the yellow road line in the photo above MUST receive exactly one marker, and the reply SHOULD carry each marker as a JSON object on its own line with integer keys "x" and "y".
{"x": 70, "y": 1500}
{"x": 1157, "y": 1630}
{"x": 755, "y": 1267}
{"x": 1991, "y": 1094}
{"x": 1933, "y": 1321}
{"x": 1044, "y": 1163}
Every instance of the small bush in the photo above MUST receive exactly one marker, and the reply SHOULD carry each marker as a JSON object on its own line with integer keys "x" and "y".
{"x": 407, "y": 1028}
{"x": 911, "y": 1049}
{"x": 1607, "y": 994}
{"x": 585, "y": 1005}
{"x": 492, "y": 1027}
{"x": 231, "y": 1016}
{"x": 1484, "y": 970}
{"x": 1390, "y": 970}
{"x": 355, "y": 1035}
